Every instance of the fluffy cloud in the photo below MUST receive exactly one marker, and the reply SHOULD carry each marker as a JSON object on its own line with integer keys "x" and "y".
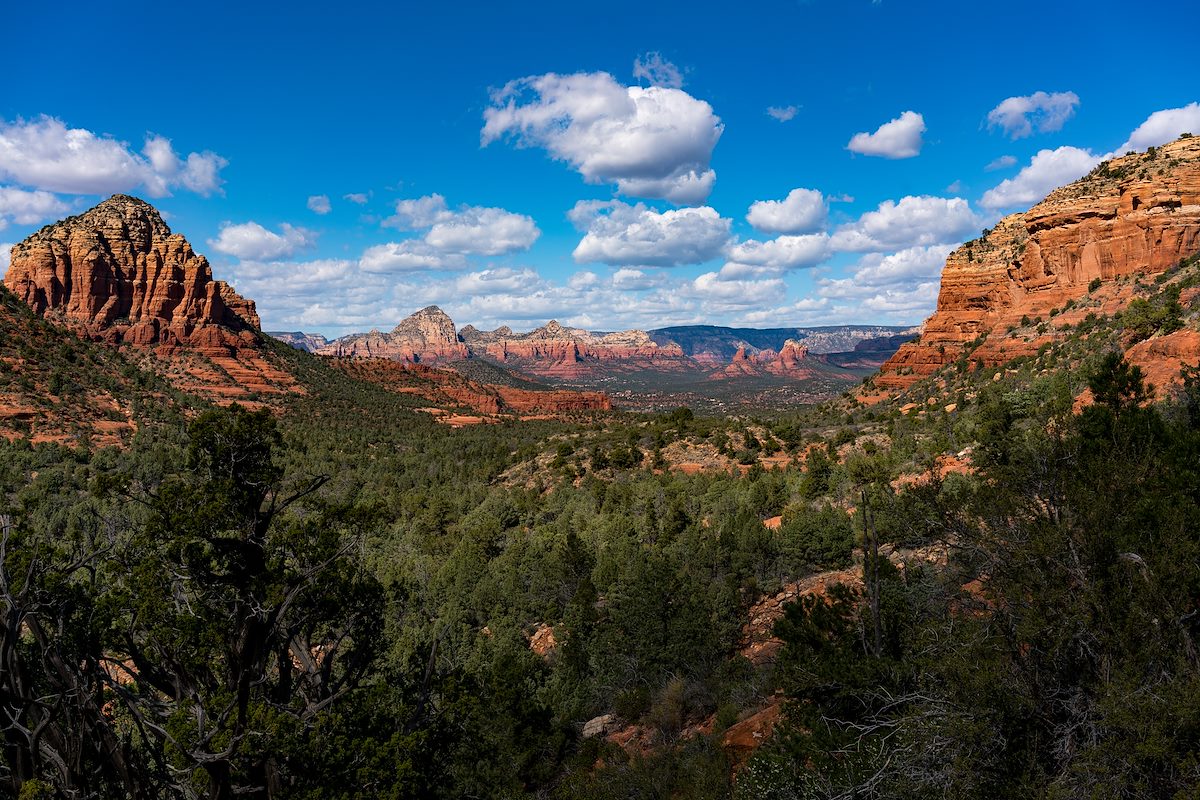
{"x": 251, "y": 241}
{"x": 1003, "y": 162}
{"x": 651, "y": 142}
{"x": 782, "y": 113}
{"x": 781, "y": 253}
{"x": 1046, "y": 171}
{"x": 906, "y": 265}
{"x": 657, "y": 71}
{"x": 483, "y": 231}
{"x": 411, "y": 255}
{"x": 913, "y": 221}
{"x": 900, "y": 138}
{"x": 1162, "y": 127}
{"x": 621, "y": 234}
{"x": 802, "y": 211}
{"x": 45, "y": 154}
{"x": 417, "y": 213}
{"x": 498, "y": 281}
{"x": 1044, "y": 112}
{"x": 28, "y": 208}
{"x": 319, "y": 204}
{"x": 469, "y": 230}
{"x": 358, "y": 198}
{"x": 724, "y": 294}
{"x": 5, "y": 257}
{"x": 583, "y": 279}
{"x": 634, "y": 280}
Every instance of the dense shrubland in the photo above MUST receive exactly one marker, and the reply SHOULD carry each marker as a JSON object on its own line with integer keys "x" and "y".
{"x": 338, "y": 601}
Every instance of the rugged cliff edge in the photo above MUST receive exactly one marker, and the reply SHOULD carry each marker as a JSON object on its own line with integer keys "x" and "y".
{"x": 426, "y": 337}
{"x": 117, "y": 274}
{"x": 1134, "y": 215}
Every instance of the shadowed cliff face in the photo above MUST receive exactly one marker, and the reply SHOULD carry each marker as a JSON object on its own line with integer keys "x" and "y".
{"x": 1134, "y": 215}
{"x": 117, "y": 273}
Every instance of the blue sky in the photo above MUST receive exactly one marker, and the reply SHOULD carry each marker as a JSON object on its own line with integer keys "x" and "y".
{"x": 344, "y": 165}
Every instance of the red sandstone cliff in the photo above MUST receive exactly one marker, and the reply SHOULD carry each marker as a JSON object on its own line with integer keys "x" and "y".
{"x": 554, "y": 350}
{"x": 1138, "y": 214}
{"x": 426, "y": 337}
{"x": 117, "y": 274}
{"x": 789, "y": 362}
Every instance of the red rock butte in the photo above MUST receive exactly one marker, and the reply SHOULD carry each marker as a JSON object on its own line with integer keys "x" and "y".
{"x": 117, "y": 274}
{"x": 1134, "y": 215}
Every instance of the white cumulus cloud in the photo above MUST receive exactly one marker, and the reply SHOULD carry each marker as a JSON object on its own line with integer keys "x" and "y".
{"x": 1044, "y": 112}
{"x": 417, "y": 213}
{"x": 782, "y": 113}
{"x": 411, "y": 255}
{"x": 5, "y": 257}
{"x": 657, "y": 71}
{"x": 251, "y": 241}
{"x": 900, "y": 138}
{"x": 911, "y": 263}
{"x": 319, "y": 204}
{"x": 45, "y": 154}
{"x": 724, "y": 294}
{"x": 1045, "y": 172}
{"x": 483, "y": 231}
{"x": 467, "y": 230}
{"x": 652, "y": 141}
{"x": 802, "y": 211}
{"x": 1162, "y": 127}
{"x": 621, "y": 234}
{"x": 628, "y": 279}
{"x": 911, "y": 221}
{"x": 28, "y": 208}
{"x": 782, "y": 252}
{"x": 498, "y": 281}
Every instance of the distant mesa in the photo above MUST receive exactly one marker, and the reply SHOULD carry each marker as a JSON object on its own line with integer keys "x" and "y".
{"x": 308, "y": 342}
{"x": 560, "y": 352}
{"x": 426, "y": 337}
{"x": 1137, "y": 215}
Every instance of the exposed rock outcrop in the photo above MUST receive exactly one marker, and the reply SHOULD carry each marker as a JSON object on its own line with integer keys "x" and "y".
{"x": 554, "y": 350}
{"x": 1134, "y": 215}
{"x": 117, "y": 274}
{"x": 426, "y": 337}
{"x": 308, "y": 342}
{"x": 789, "y": 362}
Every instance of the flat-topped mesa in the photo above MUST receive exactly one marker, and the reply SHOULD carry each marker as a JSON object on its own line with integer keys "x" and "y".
{"x": 118, "y": 274}
{"x": 426, "y": 337}
{"x": 1135, "y": 215}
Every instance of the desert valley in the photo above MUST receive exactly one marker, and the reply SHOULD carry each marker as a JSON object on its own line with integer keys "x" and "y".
{"x": 896, "y": 497}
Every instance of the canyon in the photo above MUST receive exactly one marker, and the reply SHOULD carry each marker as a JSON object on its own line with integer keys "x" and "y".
{"x": 561, "y": 353}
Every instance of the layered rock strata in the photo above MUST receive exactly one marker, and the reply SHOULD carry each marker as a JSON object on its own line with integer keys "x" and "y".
{"x": 1134, "y": 215}
{"x": 426, "y": 337}
{"x": 118, "y": 274}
